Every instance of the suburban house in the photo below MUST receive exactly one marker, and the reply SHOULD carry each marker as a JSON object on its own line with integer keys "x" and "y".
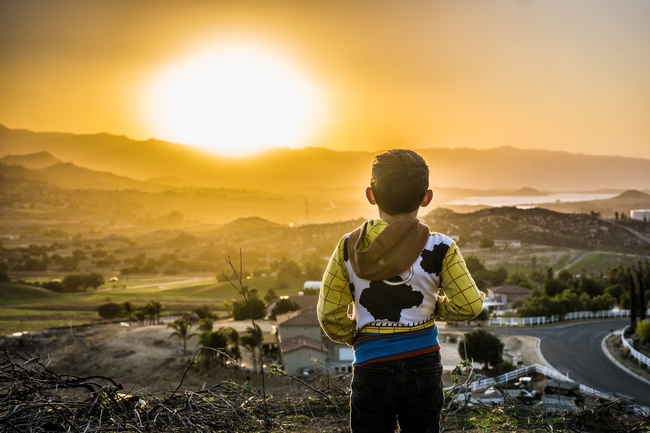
{"x": 640, "y": 214}
{"x": 305, "y": 348}
{"x": 507, "y": 297}
{"x": 300, "y": 341}
{"x": 507, "y": 243}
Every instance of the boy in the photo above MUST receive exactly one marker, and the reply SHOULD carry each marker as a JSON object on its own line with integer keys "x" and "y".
{"x": 391, "y": 270}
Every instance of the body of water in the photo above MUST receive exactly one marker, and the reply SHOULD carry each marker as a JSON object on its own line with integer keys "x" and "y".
{"x": 528, "y": 200}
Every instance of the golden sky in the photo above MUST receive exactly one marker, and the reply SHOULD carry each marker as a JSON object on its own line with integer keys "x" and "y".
{"x": 546, "y": 74}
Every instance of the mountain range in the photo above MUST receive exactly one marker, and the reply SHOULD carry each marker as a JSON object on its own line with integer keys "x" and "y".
{"x": 503, "y": 168}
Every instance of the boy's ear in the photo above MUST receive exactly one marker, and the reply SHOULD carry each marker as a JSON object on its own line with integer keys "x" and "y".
{"x": 427, "y": 198}
{"x": 370, "y": 196}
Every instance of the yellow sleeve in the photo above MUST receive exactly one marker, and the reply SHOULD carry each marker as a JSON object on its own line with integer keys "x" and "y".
{"x": 460, "y": 298}
{"x": 334, "y": 299}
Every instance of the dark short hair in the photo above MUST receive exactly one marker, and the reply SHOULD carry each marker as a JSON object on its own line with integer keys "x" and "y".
{"x": 399, "y": 181}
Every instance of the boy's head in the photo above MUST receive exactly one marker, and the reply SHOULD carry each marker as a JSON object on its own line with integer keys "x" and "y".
{"x": 399, "y": 181}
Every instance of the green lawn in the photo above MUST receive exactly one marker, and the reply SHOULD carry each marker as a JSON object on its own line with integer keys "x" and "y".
{"x": 27, "y": 308}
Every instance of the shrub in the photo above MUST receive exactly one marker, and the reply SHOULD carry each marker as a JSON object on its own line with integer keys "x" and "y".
{"x": 481, "y": 346}
{"x": 643, "y": 331}
{"x": 255, "y": 307}
{"x": 284, "y": 306}
{"x": 110, "y": 310}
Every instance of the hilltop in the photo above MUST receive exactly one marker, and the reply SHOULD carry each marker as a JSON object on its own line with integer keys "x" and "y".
{"x": 497, "y": 168}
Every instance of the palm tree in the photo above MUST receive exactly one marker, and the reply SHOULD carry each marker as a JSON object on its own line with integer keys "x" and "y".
{"x": 232, "y": 336}
{"x": 128, "y": 309}
{"x": 182, "y": 331}
{"x": 154, "y": 308}
{"x": 252, "y": 341}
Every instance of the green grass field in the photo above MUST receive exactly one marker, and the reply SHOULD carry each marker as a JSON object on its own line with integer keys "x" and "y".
{"x": 27, "y": 308}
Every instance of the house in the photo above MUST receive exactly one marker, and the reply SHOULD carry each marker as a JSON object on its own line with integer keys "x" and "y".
{"x": 300, "y": 341}
{"x": 503, "y": 243}
{"x": 508, "y": 296}
{"x": 640, "y": 214}
{"x": 304, "y": 346}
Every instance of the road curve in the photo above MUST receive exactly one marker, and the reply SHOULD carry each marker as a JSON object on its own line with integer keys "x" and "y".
{"x": 576, "y": 349}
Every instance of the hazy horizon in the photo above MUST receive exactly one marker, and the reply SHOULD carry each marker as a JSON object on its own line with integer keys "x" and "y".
{"x": 242, "y": 77}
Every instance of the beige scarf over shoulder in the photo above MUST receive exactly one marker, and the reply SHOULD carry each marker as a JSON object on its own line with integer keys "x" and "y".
{"x": 393, "y": 251}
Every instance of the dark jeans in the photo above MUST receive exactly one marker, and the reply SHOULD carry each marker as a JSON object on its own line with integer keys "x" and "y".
{"x": 408, "y": 391}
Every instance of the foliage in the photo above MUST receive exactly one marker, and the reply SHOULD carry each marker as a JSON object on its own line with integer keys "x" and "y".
{"x": 642, "y": 332}
{"x": 110, "y": 310}
{"x": 252, "y": 341}
{"x": 481, "y": 346}
{"x": 554, "y": 287}
{"x": 253, "y": 308}
{"x": 473, "y": 264}
{"x": 75, "y": 282}
{"x": 284, "y": 306}
{"x": 182, "y": 329}
{"x": 203, "y": 312}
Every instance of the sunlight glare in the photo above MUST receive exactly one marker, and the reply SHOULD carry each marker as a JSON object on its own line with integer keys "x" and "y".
{"x": 235, "y": 99}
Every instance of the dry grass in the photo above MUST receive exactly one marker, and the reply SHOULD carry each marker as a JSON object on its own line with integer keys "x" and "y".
{"x": 33, "y": 398}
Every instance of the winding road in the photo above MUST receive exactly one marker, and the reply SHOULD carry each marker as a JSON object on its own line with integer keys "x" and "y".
{"x": 576, "y": 349}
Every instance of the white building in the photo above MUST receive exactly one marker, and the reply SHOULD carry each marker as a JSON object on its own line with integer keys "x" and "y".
{"x": 640, "y": 214}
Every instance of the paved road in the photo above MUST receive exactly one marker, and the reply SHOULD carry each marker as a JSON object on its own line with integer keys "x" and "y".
{"x": 576, "y": 349}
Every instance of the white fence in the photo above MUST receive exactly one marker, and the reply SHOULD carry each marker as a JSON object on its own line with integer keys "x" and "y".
{"x": 482, "y": 385}
{"x": 635, "y": 354}
{"x": 522, "y": 321}
{"x": 541, "y": 320}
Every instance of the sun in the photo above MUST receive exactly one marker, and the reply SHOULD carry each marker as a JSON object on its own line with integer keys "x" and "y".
{"x": 235, "y": 98}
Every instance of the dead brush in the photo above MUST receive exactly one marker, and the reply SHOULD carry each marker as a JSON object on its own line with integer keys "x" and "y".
{"x": 35, "y": 399}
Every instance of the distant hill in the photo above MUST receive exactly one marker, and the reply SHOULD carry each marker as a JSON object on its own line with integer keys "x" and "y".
{"x": 70, "y": 176}
{"x": 248, "y": 224}
{"x": 32, "y": 160}
{"x": 498, "y": 168}
{"x": 542, "y": 227}
{"x": 622, "y": 203}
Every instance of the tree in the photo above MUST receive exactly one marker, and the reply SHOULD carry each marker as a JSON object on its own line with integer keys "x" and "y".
{"x": 72, "y": 283}
{"x": 232, "y": 339}
{"x": 554, "y": 287}
{"x": 203, "y": 312}
{"x": 214, "y": 340}
{"x": 251, "y": 308}
{"x": 128, "y": 310}
{"x": 270, "y": 296}
{"x": 110, "y": 310}
{"x": 481, "y": 346}
{"x": 591, "y": 286}
{"x": 473, "y": 264}
{"x": 153, "y": 309}
{"x": 93, "y": 280}
{"x": 602, "y": 302}
{"x": 252, "y": 341}
{"x": 182, "y": 330}
{"x": 284, "y": 306}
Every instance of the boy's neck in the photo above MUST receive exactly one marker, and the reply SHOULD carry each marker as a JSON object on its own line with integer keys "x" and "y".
{"x": 392, "y": 218}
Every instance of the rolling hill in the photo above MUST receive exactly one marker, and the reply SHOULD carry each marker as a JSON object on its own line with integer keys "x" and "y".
{"x": 498, "y": 168}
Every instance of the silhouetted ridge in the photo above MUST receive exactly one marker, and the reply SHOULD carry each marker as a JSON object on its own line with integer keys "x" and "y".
{"x": 633, "y": 195}
{"x": 250, "y": 223}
